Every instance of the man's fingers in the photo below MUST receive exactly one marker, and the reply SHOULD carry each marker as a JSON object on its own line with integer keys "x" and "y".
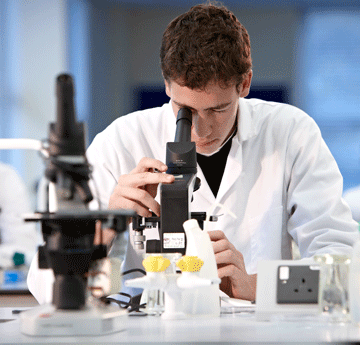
{"x": 228, "y": 257}
{"x": 149, "y": 164}
{"x": 220, "y": 242}
{"x": 136, "y": 199}
{"x": 144, "y": 178}
{"x": 217, "y": 235}
{"x": 103, "y": 236}
{"x": 221, "y": 245}
{"x": 135, "y": 206}
{"x": 137, "y": 190}
{"x": 227, "y": 271}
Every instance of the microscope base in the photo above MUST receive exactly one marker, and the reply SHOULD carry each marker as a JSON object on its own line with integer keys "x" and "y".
{"x": 46, "y": 320}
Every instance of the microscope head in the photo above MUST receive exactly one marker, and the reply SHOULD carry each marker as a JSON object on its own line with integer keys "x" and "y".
{"x": 181, "y": 154}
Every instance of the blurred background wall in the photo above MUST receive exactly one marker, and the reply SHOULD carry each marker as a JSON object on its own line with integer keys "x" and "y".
{"x": 305, "y": 52}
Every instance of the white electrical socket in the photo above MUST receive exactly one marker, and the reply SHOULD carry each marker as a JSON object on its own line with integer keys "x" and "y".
{"x": 267, "y": 289}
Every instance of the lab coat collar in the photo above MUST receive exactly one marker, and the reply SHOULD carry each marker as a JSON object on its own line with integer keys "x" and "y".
{"x": 246, "y": 122}
{"x": 171, "y": 123}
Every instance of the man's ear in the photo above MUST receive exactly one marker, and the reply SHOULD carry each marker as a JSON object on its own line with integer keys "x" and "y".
{"x": 245, "y": 85}
{"x": 167, "y": 88}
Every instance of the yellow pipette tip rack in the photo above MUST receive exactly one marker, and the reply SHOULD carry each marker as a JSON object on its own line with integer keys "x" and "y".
{"x": 190, "y": 263}
{"x": 156, "y": 263}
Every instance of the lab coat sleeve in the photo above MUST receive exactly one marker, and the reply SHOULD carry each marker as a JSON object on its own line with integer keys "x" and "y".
{"x": 352, "y": 197}
{"x": 40, "y": 282}
{"x": 319, "y": 219}
{"x": 109, "y": 160}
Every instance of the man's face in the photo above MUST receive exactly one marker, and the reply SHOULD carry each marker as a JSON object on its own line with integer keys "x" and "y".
{"x": 214, "y": 111}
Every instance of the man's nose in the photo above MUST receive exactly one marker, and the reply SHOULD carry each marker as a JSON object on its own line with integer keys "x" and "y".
{"x": 201, "y": 125}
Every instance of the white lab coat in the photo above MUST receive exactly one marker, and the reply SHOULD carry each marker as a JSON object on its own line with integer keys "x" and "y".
{"x": 352, "y": 197}
{"x": 15, "y": 234}
{"x": 280, "y": 180}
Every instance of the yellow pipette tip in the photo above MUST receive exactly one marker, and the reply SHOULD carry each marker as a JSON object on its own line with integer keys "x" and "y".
{"x": 156, "y": 263}
{"x": 190, "y": 263}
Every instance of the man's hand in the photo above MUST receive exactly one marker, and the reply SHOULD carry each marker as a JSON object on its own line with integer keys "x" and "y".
{"x": 103, "y": 236}
{"x": 235, "y": 281}
{"x": 137, "y": 190}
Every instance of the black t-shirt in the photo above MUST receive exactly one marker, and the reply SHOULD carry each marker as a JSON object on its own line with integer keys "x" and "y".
{"x": 213, "y": 166}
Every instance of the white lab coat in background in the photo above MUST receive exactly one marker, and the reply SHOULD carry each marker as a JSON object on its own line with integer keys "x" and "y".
{"x": 280, "y": 180}
{"x": 352, "y": 197}
{"x": 15, "y": 234}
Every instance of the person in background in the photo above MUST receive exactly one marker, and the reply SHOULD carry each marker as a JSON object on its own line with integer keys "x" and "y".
{"x": 18, "y": 239}
{"x": 266, "y": 162}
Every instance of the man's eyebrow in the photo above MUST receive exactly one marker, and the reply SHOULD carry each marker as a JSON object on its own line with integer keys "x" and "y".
{"x": 182, "y": 105}
{"x": 219, "y": 106}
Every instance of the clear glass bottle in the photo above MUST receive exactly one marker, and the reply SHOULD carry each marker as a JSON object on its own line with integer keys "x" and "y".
{"x": 334, "y": 287}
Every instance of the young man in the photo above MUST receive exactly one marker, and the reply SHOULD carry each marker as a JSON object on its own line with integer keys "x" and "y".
{"x": 266, "y": 162}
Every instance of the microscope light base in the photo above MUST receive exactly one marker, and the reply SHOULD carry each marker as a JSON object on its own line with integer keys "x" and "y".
{"x": 46, "y": 320}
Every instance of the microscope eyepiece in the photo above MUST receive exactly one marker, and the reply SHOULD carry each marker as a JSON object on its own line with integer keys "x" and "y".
{"x": 183, "y": 125}
{"x": 184, "y": 113}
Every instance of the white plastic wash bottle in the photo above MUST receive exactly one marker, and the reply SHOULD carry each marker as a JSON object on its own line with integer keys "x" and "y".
{"x": 204, "y": 301}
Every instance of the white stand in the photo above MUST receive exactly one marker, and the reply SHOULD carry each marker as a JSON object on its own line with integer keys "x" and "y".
{"x": 46, "y": 320}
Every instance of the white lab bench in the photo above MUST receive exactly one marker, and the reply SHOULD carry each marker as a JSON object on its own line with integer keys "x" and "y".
{"x": 229, "y": 328}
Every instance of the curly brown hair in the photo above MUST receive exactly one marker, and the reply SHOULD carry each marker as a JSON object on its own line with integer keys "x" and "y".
{"x": 203, "y": 45}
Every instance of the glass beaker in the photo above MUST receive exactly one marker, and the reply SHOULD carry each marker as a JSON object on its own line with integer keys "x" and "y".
{"x": 154, "y": 298}
{"x": 334, "y": 287}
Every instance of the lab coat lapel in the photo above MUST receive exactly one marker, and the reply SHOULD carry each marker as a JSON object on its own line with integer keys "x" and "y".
{"x": 232, "y": 170}
{"x": 234, "y": 166}
{"x": 205, "y": 190}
